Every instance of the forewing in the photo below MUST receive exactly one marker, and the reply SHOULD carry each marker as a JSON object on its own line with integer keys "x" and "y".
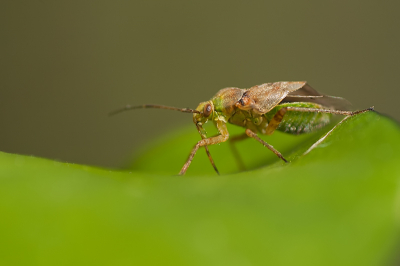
{"x": 262, "y": 98}
{"x": 331, "y": 102}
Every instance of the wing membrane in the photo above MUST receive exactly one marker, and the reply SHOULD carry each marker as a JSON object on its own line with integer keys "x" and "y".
{"x": 331, "y": 102}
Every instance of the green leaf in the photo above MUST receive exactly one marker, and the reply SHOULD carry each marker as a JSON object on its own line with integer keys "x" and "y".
{"x": 337, "y": 205}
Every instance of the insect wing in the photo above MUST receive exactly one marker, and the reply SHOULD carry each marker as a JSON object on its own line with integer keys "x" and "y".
{"x": 262, "y": 98}
{"x": 332, "y": 102}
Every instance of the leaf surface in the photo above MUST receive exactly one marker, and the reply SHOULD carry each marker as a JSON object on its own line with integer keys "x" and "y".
{"x": 337, "y": 205}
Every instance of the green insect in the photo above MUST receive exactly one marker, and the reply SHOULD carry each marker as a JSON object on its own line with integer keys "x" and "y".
{"x": 291, "y": 107}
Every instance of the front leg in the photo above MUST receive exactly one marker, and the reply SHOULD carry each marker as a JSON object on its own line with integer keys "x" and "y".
{"x": 224, "y": 135}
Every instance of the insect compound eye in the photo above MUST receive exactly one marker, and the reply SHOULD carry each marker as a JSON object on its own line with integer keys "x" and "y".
{"x": 207, "y": 110}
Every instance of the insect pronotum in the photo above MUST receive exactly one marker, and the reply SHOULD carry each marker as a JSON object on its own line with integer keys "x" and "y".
{"x": 289, "y": 106}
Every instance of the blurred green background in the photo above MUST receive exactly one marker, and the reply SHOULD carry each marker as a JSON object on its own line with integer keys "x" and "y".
{"x": 65, "y": 65}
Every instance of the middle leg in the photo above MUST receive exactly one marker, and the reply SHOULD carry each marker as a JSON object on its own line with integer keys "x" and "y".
{"x": 254, "y": 136}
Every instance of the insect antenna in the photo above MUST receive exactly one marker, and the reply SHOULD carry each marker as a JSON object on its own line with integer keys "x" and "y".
{"x": 131, "y": 107}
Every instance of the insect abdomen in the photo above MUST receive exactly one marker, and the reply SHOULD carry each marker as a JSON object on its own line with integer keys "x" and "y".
{"x": 295, "y": 122}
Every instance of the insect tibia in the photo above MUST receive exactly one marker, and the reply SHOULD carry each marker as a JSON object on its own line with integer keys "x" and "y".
{"x": 307, "y": 96}
{"x": 363, "y": 111}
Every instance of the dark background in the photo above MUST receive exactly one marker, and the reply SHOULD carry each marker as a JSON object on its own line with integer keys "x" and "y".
{"x": 65, "y": 65}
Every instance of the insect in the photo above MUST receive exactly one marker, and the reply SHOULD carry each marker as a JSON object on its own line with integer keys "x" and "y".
{"x": 292, "y": 107}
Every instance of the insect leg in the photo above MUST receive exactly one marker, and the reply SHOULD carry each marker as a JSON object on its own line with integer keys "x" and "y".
{"x": 329, "y": 111}
{"x": 203, "y": 136}
{"x": 254, "y": 136}
{"x": 211, "y": 159}
{"x": 235, "y": 152}
{"x": 204, "y": 142}
{"x": 276, "y": 120}
{"x": 330, "y": 131}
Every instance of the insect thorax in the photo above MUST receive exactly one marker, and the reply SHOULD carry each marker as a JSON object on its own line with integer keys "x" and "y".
{"x": 248, "y": 119}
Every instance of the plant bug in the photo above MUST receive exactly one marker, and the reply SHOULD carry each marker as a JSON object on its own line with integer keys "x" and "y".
{"x": 293, "y": 107}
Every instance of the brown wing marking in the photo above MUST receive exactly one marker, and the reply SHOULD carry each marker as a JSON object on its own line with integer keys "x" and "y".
{"x": 262, "y": 98}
